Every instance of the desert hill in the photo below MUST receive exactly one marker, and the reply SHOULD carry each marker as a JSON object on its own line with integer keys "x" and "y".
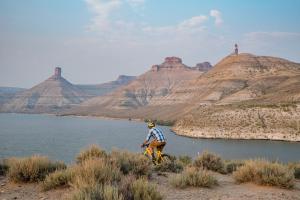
{"x": 50, "y": 96}
{"x": 243, "y": 96}
{"x": 150, "y": 87}
{"x": 7, "y": 93}
{"x": 243, "y": 77}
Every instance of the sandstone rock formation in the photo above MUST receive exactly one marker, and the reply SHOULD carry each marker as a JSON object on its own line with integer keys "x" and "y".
{"x": 50, "y": 96}
{"x": 205, "y": 66}
{"x": 147, "y": 89}
{"x": 243, "y": 96}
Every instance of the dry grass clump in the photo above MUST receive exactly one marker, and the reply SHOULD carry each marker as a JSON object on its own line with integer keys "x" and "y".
{"x": 57, "y": 179}
{"x": 92, "y": 152}
{"x": 97, "y": 192}
{"x": 31, "y": 169}
{"x": 231, "y": 166}
{"x": 133, "y": 163}
{"x": 263, "y": 172}
{"x": 92, "y": 172}
{"x": 194, "y": 177}
{"x": 209, "y": 161}
{"x": 143, "y": 190}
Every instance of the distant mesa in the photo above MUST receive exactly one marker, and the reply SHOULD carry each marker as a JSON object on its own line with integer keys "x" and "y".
{"x": 172, "y": 63}
{"x": 108, "y": 87}
{"x": 50, "y": 96}
{"x": 124, "y": 79}
{"x": 205, "y": 66}
{"x": 172, "y": 60}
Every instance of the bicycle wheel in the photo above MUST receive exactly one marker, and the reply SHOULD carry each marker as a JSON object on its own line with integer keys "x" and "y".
{"x": 166, "y": 158}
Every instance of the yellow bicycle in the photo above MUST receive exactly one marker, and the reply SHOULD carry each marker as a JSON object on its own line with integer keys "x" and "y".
{"x": 159, "y": 156}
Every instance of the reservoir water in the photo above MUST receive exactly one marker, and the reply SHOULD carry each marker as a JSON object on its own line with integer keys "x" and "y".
{"x": 61, "y": 138}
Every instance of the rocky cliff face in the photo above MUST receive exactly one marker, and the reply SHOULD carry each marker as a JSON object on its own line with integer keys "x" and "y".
{"x": 50, "y": 96}
{"x": 146, "y": 89}
{"x": 205, "y": 66}
{"x": 243, "y": 96}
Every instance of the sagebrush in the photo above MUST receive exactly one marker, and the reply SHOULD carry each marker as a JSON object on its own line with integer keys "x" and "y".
{"x": 263, "y": 172}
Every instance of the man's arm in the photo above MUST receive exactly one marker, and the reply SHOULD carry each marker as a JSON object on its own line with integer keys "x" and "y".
{"x": 147, "y": 139}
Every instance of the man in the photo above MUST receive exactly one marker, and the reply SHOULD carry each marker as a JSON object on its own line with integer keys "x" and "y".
{"x": 158, "y": 141}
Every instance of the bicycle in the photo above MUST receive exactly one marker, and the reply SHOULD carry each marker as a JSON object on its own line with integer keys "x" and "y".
{"x": 159, "y": 157}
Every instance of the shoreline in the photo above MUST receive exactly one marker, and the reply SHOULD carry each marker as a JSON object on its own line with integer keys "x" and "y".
{"x": 176, "y": 131}
{"x": 207, "y": 136}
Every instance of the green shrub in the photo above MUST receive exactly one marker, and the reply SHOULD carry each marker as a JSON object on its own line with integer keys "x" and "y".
{"x": 93, "y": 152}
{"x": 125, "y": 186}
{"x": 297, "y": 172}
{"x": 143, "y": 190}
{"x": 136, "y": 164}
{"x": 209, "y": 161}
{"x": 57, "y": 179}
{"x": 92, "y": 172}
{"x": 263, "y": 172}
{"x": 232, "y": 165}
{"x": 32, "y": 169}
{"x": 296, "y": 167}
{"x": 3, "y": 167}
{"x": 192, "y": 176}
{"x": 97, "y": 192}
{"x": 169, "y": 166}
{"x": 185, "y": 160}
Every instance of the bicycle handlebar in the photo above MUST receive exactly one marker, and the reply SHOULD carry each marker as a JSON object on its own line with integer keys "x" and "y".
{"x": 146, "y": 145}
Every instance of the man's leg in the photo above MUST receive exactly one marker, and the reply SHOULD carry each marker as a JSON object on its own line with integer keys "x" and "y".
{"x": 160, "y": 148}
{"x": 152, "y": 146}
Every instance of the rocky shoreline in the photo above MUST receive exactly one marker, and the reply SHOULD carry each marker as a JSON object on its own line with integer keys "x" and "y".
{"x": 207, "y": 133}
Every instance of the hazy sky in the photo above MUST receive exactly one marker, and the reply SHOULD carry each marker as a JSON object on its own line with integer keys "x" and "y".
{"x": 96, "y": 40}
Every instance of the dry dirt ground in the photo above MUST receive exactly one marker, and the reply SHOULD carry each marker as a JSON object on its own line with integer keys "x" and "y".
{"x": 227, "y": 190}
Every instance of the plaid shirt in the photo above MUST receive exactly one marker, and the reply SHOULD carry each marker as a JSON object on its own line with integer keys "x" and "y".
{"x": 156, "y": 134}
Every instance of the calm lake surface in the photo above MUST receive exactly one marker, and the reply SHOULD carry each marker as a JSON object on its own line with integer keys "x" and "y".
{"x": 61, "y": 138}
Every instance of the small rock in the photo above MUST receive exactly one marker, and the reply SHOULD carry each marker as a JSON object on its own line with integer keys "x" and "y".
{"x": 2, "y": 184}
{"x": 15, "y": 197}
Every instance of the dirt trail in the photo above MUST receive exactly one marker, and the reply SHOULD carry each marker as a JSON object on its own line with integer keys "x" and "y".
{"x": 227, "y": 190}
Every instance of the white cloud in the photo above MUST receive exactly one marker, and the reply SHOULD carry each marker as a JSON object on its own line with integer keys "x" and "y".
{"x": 102, "y": 9}
{"x": 218, "y": 17}
{"x": 186, "y": 27}
{"x": 193, "y": 22}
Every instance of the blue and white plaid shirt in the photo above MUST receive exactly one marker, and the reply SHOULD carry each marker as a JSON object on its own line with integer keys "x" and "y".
{"x": 156, "y": 134}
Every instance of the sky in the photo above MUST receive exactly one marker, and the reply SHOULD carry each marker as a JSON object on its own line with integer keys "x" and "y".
{"x": 94, "y": 41}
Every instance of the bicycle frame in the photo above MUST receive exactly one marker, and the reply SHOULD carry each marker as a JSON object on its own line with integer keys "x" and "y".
{"x": 148, "y": 152}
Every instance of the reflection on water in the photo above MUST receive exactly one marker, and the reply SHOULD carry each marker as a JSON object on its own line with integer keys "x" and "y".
{"x": 62, "y": 138}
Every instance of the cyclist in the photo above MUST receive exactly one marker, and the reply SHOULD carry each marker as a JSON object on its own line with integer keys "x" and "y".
{"x": 158, "y": 141}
